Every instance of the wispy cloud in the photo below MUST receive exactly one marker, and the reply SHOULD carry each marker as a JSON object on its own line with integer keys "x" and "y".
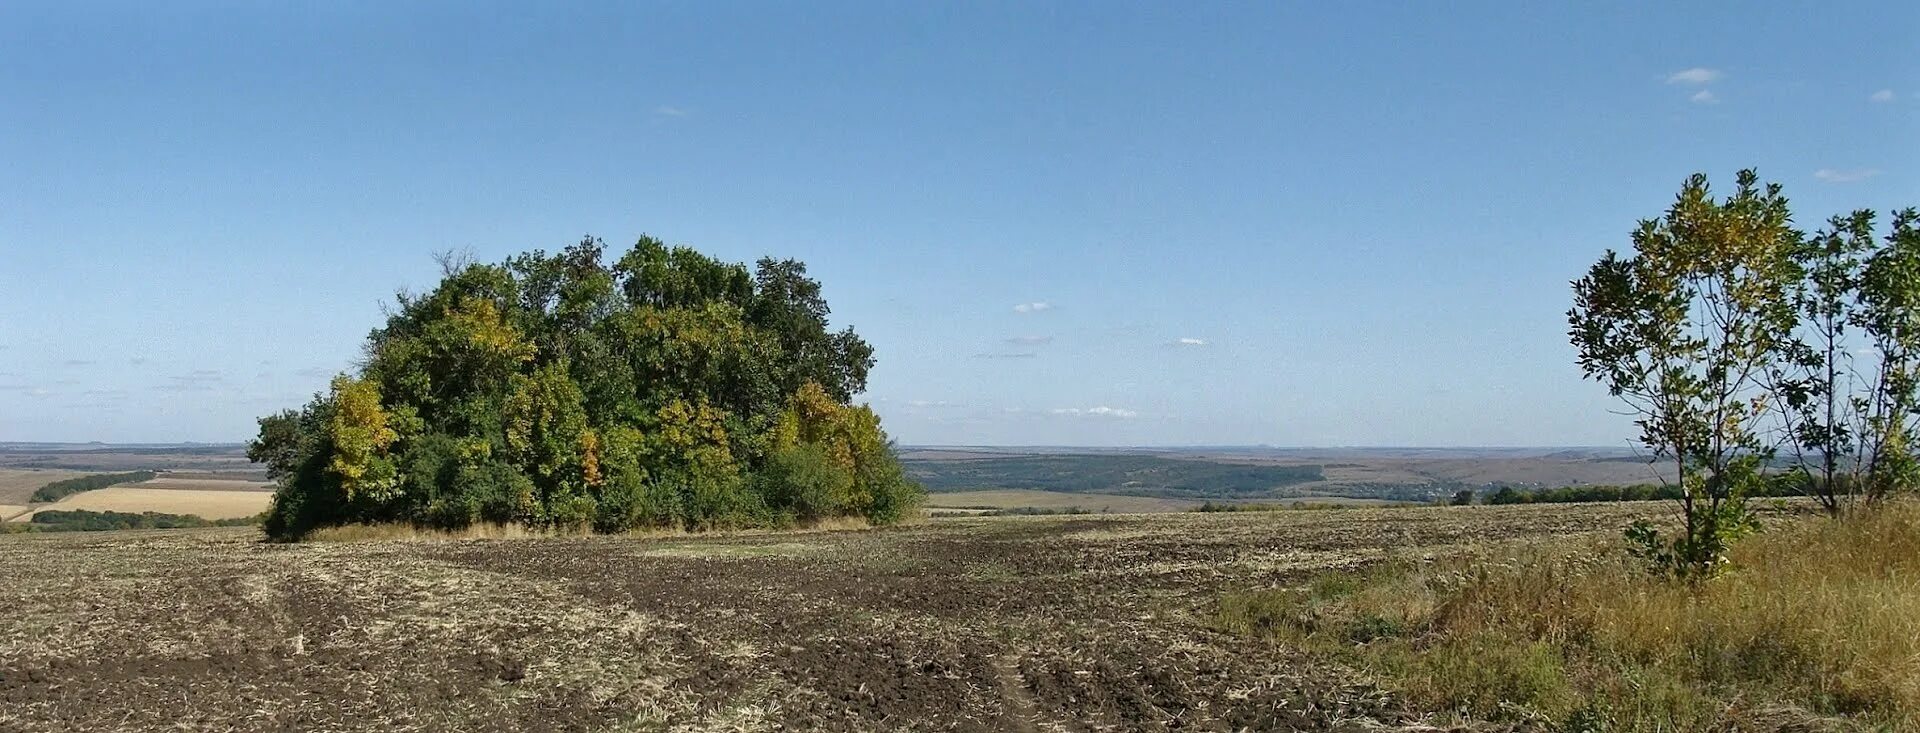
{"x": 1030, "y": 340}
{"x": 1884, "y": 95}
{"x": 1695, "y": 76}
{"x": 1034, "y": 307}
{"x": 1704, "y": 96}
{"x": 314, "y": 372}
{"x": 194, "y": 381}
{"x": 77, "y": 363}
{"x": 1006, "y": 355}
{"x": 668, "y": 110}
{"x": 137, "y": 361}
{"x": 931, "y": 403}
{"x": 1834, "y": 175}
{"x": 1101, "y": 411}
{"x": 1187, "y": 341}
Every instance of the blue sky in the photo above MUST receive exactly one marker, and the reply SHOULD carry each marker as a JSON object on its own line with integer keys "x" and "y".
{"x": 1088, "y": 224}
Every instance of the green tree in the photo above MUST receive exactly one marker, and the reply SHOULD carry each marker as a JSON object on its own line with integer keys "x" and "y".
{"x": 559, "y": 390}
{"x": 1888, "y": 311}
{"x": 1687, "y": 332}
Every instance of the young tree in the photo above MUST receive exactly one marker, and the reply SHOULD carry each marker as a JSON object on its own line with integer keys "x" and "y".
{"x": 1814, "y": 382}
{"x": 1889, "y": 410}
{"x": 1686, "y": 332}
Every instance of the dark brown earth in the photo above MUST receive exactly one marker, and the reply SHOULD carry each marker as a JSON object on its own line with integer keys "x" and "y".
{"x": 1015, "y": 624}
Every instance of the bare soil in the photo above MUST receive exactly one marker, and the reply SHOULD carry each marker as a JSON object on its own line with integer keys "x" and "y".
{"x": 1005, "y": 624}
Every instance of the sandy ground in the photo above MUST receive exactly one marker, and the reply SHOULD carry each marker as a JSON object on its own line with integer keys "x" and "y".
{"x": 139, "y": 498}
{"x": 9, "y": 511}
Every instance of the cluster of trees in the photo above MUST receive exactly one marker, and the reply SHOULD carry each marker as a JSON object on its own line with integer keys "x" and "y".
{"x": 90, "y": 521}
{"x": 1632, "y": 492}
{"x": 557, "y": 390}
{"x": 1739, "y": 342}
{"x": 57, "y": 490}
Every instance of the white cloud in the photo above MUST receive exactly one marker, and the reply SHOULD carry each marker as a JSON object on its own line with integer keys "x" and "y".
{"x": 930, "y": 403}
{"x": 1704, "y": 96}
{"x": 667, "y": 110}
{"x": 1831, "y": 175}
{"x": 1030, "y": 340}
{"x": 1696, "y": 75}
{"x": 1101, "y": 411}
{"x": 1034, "y": 307}
{"x": 1007, "y": 355}
{"x": 1884, "y": 95}
{"x": 1188, "y": 341}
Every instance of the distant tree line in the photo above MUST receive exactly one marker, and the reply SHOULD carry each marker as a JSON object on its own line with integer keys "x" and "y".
{"x": 1632, "y": 492}
{"x": 663, "y": 389}
{"x": 64, "y": 488}
{"x": 92, "y": 521}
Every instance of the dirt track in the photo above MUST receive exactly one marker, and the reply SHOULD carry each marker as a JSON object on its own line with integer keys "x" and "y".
{"x": 1046, "y": 623}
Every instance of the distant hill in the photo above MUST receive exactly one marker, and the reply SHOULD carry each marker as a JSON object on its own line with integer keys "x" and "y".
{"x": 1130, "y": 475}
{"x": 1250, "y": 473}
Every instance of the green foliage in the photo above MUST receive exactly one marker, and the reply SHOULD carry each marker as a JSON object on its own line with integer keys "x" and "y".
{"x": 1463, "y": 497}
{"x": 1888, "y": 312}
{"x": 64, "y": 488}
{"x": 1633, "y": 492}
{"x": 92, "y": 521}
{"x": 1847, "y": 385}
{"x": 667, "y": 389}
{"x": 1687, "y": 332}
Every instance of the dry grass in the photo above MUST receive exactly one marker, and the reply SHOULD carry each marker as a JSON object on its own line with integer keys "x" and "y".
{"x": 206, "y": 504}
{"x": 9, "y": 511}
{"x": 1034, "y": 499}
{"x": 18, "y": 484}
{"x": 1818, "y": 626}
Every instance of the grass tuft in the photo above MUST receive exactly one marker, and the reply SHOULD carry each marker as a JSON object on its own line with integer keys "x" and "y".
{"x": 1819, "y": 620}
